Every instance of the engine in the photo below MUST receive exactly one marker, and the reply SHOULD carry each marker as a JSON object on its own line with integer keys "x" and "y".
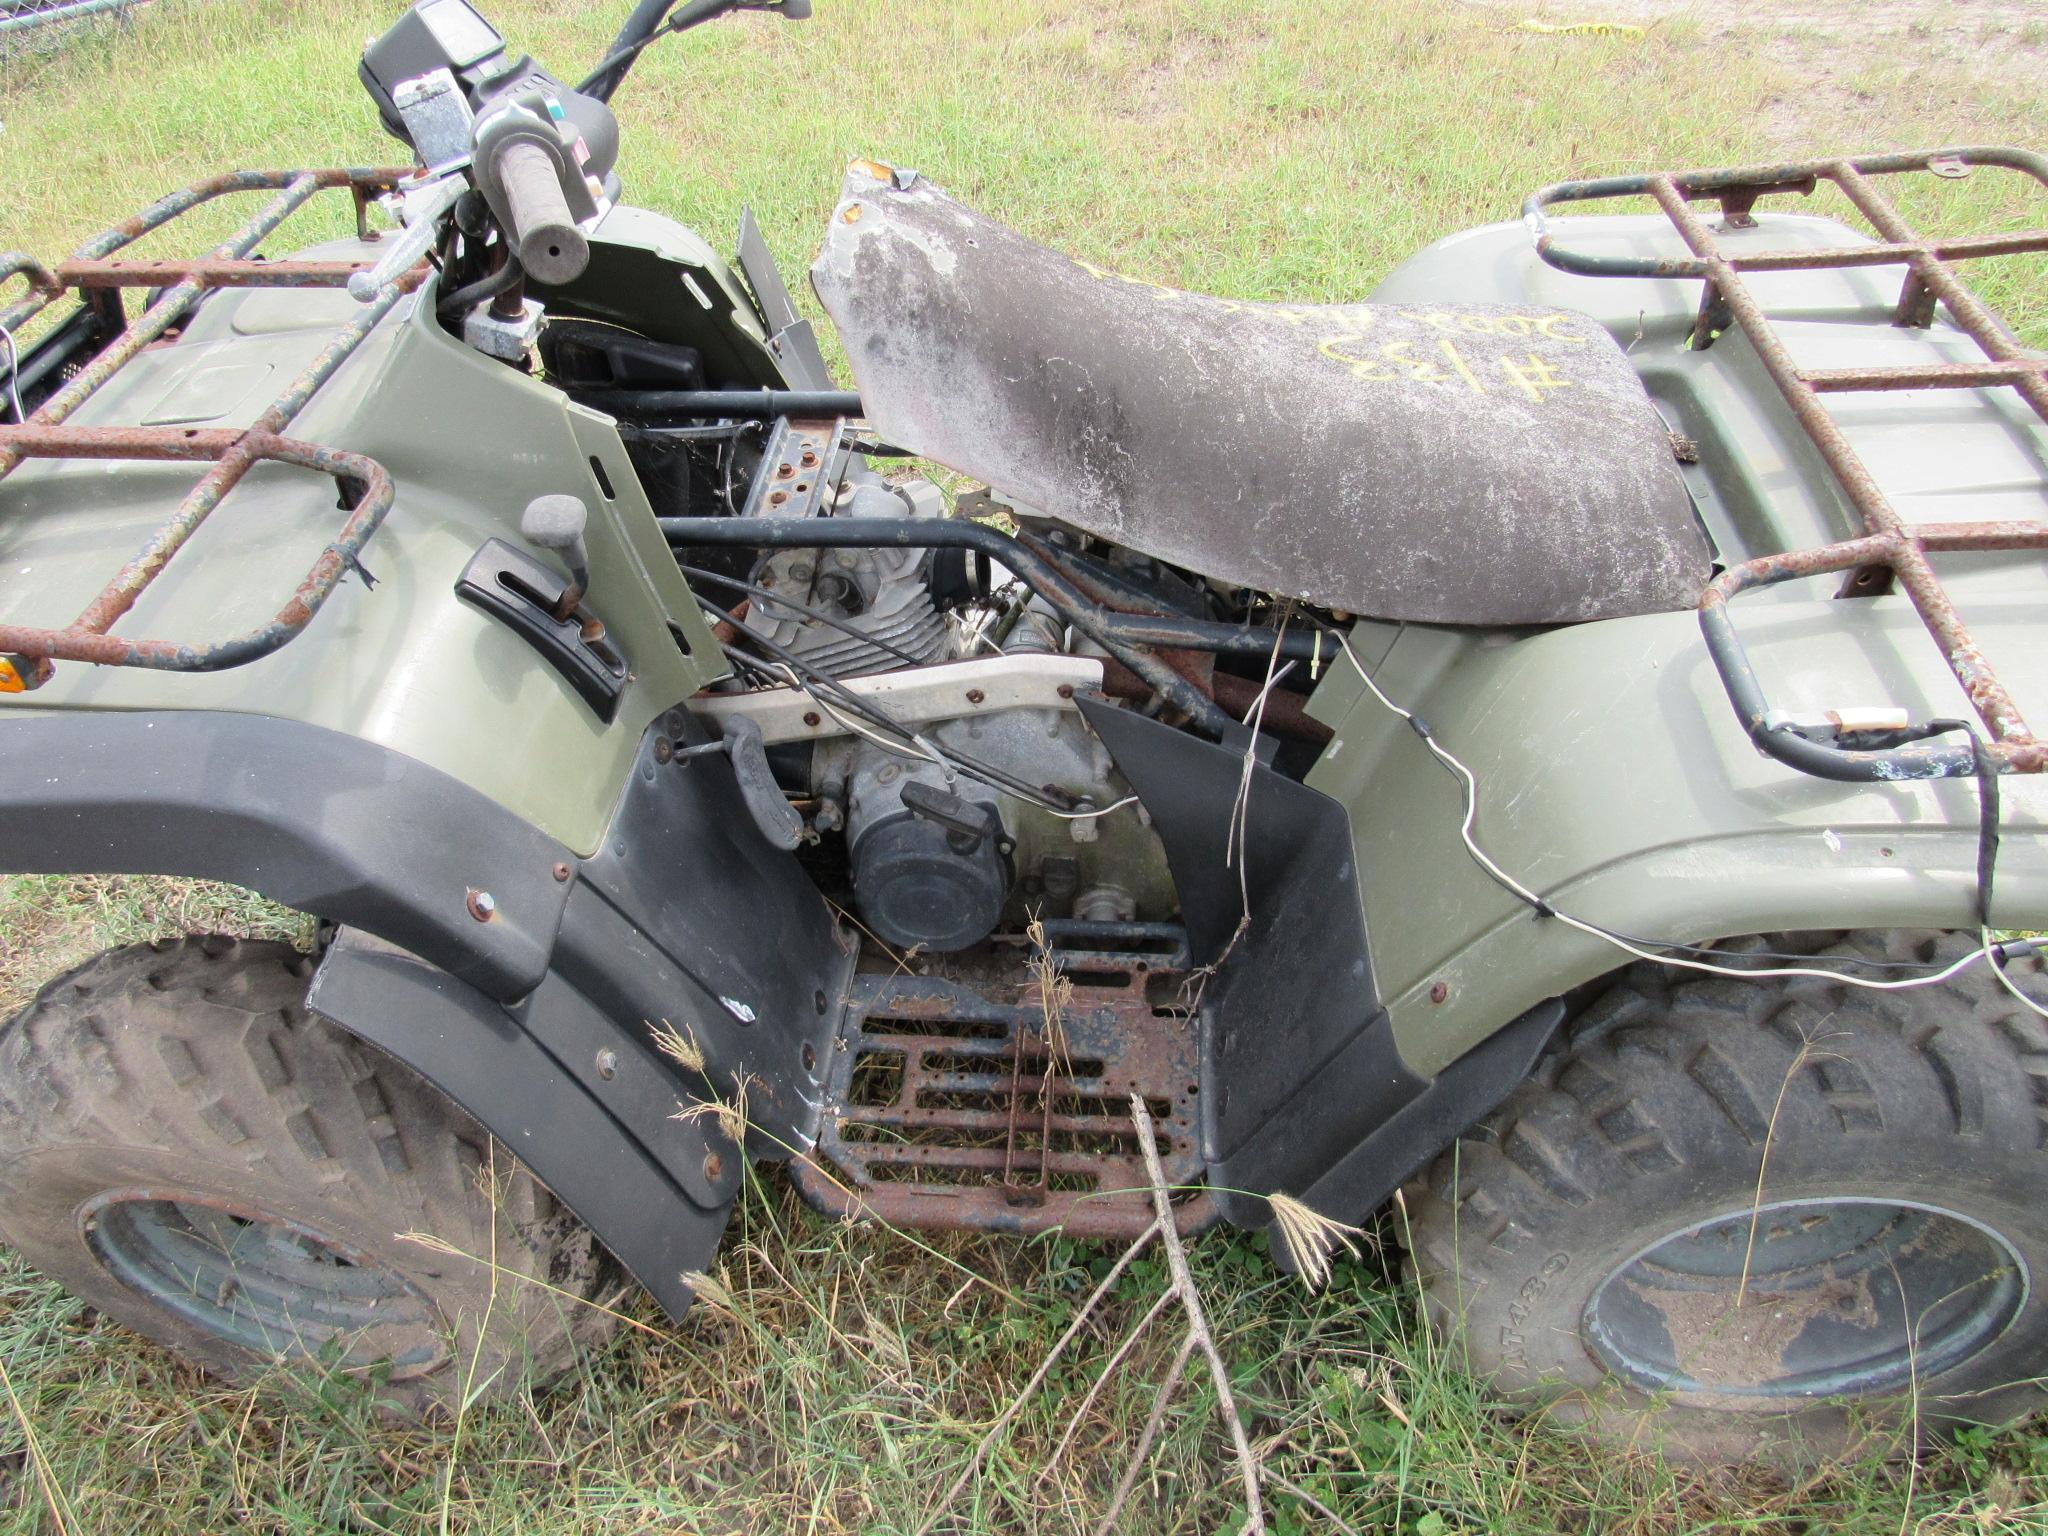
{"x": 981, "y": 798}
{"x": 940, "y": 859}
{"x": 862, "y": 610}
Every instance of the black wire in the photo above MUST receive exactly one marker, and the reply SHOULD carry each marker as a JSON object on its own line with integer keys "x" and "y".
{"x": 624, "y": 58}
{"x": 730, "y": 455}
{"x": 631, "y": 429}
{"x": 995, "y": 778}
{"x": 1987, "y": 828}
{"x": 484, "y": 287}
{"x": 699, "y": 573}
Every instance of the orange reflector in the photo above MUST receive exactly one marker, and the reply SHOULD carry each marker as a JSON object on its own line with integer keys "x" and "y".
{"x": 10, "y": 677}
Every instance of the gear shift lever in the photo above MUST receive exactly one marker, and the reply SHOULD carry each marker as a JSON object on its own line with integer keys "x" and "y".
{"x": 557, "y": 522}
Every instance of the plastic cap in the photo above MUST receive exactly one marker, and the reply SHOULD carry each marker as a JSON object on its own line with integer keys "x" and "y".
{"x": 554, "y": 522}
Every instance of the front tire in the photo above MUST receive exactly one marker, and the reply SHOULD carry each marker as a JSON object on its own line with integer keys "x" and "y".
{"x": 185, "y": 1146}
{"x": 1782, "y": 1217}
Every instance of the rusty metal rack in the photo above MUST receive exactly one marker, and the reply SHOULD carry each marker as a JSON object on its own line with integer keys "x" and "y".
{"x": 1891, "y": 550}
{"x": 955, "y": 1104}
{"x": 27, "y": 654}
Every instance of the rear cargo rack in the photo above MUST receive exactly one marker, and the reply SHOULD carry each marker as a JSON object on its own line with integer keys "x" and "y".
{"x": 1891, "y": 549}
{"x": 28, "y": 654}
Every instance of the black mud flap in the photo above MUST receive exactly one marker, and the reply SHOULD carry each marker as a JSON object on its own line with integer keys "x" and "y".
{"x": 687, "y": 924}
{"x": 1303, "y": 1089}
{"x": 535, "y": 1011}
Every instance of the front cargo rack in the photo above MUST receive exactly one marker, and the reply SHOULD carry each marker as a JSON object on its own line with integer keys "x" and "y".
{"x": 28, "y": 654}
{"x": 1891, "y": 549}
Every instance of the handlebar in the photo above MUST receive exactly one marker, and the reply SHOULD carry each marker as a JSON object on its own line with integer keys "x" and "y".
{"x": 542, "y": 231}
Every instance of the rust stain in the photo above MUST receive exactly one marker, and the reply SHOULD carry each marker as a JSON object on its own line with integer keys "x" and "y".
{"x": 952, "y": 1110}
{"x": 1726, "y": 301}
{"x": 367, "y": 488}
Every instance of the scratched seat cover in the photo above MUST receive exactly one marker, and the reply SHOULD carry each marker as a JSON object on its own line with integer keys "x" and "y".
{"x": 1470, "y": 464}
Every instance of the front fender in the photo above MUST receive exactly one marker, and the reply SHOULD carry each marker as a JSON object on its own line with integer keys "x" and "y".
{"x": 536, "y": 1010}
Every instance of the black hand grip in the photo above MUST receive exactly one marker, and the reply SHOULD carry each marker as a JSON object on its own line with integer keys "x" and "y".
{"x": 548, "y": 243}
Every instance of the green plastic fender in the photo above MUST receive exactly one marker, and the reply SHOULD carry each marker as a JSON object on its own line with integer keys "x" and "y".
{"x": 1615, "y": 782}
{"x": 407, "y": 665}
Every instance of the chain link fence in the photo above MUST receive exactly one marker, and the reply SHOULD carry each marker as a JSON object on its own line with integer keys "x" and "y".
{"x": 36, "y": 27}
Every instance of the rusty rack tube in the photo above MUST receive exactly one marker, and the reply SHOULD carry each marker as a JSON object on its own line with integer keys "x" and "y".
{"x": 367, "y": 488}
{"x": 234, "y": 453}
{"x": 1890, "y": 546}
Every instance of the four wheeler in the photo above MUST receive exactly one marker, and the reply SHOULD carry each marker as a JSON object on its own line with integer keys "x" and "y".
{"x": 1332, "y": 703}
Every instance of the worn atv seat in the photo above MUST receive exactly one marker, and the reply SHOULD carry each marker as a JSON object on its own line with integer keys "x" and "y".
{"x": 1460, "y": 464}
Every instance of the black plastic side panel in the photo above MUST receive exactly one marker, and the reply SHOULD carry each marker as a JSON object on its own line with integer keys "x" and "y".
{"x": 520, "y": 593}
{"x": 688, "y": 914}
{"x": 495, "y": 1063}
{"x": 319, "y": 820}
{"x": 1470, "y": 1087}
{"x": 539, "y": 1021}
{"x": 1298, "y": 1059}
{"x": 789, "y": 335}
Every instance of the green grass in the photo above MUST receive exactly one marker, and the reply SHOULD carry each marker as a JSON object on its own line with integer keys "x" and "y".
{"x": 1284, "y": 150}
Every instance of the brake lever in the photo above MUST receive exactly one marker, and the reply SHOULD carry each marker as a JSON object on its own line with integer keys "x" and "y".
{"x": 424, "y": 208}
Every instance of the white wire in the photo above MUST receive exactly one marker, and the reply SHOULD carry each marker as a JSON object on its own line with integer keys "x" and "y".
{"x": 1086, "y": 815}
{"x": 850, "y": 724}
{"x": 2004, "y": 980}
{"x": 1472, "y": 847}
{"x": 1273, "y": 680}
{"x": 13, "y": 368}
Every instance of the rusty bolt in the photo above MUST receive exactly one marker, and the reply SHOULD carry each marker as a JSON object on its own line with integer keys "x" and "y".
{"x": 664, "y": 749}
{"x": 785, "y": 471}
{"x": 1439, "y": 992}
{"x": 483, "y": 906}
{"x": 810, "y": 457}
{"x": 714, "y": 1166}
{"x": 811, "y": 717}
{"x": 562, "y": 872}
{"x": 777, "y": 498}
{"x": 1066, "y": 690}
{"x": 975, "y": 695}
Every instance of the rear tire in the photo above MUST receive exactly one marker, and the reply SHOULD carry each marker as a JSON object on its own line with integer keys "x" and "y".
{"x": 186, "y": 1147}
{"x": 1592, "y": 1241}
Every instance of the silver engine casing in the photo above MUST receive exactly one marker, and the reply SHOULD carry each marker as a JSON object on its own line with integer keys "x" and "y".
{"x": 881, "y": 595}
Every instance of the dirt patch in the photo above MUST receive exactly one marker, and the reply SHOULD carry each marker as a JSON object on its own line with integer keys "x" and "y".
{"x": 1833, "y": 46}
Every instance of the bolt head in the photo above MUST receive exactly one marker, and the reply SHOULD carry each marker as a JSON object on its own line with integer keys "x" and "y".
{"x": 607, "y": 1064}
{"x": 483, "y": 906}
{"x": 1439, "y": 992}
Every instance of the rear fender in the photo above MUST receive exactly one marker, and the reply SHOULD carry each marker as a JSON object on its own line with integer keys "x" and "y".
{"x": 1616, "y": 782}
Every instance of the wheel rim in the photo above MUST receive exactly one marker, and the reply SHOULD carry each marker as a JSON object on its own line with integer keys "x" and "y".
{"x": 1842, "y": 1297}
{"x": 273, "y": 1287}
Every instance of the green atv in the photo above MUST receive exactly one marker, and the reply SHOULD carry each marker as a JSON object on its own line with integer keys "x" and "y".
{"x": 1319, "y": 728}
